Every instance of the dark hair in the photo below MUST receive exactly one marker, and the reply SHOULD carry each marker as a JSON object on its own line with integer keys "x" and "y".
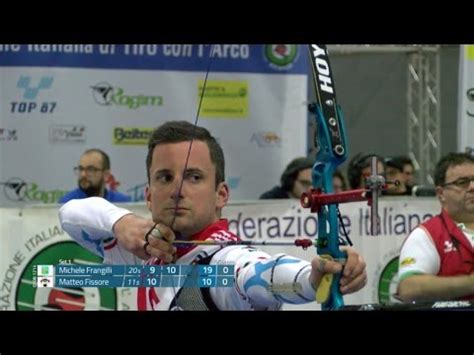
{"x": 183, "y": 131}
{"x": 105, "y": 157}
{"x": 405, "y": 160}
{"x": 356, "y": 165}
{"x": 292, "y": 170}
{"x": 395, "y": 163}
{"x": 450, "y": 160}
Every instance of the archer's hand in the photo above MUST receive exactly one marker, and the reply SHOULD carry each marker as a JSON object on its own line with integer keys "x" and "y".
{"x": 131, "y": 231}
{"x": 353, "y": 278}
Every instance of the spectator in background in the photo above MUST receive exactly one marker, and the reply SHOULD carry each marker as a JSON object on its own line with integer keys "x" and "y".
{"x": 93, "y": 171}
{"x": 408, "y": 170}
{"x": 295, "y": 180}
{"x": 359, "y": 169}
{"x": 394, "y": 172}
{"x": 339, "y": 182}
{"x": 436, "y": 259}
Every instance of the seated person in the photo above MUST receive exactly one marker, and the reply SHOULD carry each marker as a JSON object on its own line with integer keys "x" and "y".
{"x": 295, "y": 180}
{"x": 408, "y": 170}
{"x": 339, "y": 183}
{"x": 93, "y": 171}
{"x": 360, "y": 167}
{"x": 394, "y": 172}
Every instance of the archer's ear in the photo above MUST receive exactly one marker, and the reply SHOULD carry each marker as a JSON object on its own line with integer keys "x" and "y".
{"x": 222, "y": 195}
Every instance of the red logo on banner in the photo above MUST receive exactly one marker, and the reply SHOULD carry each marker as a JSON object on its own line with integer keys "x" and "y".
{"x": 111, "y": 183}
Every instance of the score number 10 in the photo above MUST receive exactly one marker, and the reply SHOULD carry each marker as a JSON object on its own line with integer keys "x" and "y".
{"x": 216, "y": 276}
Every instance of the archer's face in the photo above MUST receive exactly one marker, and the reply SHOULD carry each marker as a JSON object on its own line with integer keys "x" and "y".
{"x": 199, "y": 202}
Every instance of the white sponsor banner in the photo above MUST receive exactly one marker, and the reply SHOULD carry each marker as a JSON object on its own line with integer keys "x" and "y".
{"x": 33, "y": 236}
{"x": 58, "y": 101}
{"x": 466, "y": 99}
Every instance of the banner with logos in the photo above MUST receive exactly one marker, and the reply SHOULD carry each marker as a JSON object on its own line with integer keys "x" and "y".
{"x": 57, "y": 100}
{"x": 33, "y": 236}
{"x": 466, "y": 99}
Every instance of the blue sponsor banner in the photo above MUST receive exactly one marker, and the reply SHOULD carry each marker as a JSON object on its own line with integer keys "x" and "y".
{"x": 278, "y": 59}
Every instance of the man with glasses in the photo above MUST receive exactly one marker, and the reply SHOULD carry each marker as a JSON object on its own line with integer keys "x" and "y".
{"x": 437, "y": 258}
{"x": 93, "y": 171}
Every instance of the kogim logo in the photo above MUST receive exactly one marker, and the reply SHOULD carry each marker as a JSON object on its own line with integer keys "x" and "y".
{"x": 107, "y": 95}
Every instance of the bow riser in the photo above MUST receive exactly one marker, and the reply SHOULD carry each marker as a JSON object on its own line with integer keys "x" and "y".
{"x": 330, "y": 142}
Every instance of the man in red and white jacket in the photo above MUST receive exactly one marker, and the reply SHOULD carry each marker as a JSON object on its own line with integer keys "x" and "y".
{"x": 437, "y": 258}
{"x": 185, "y": 194}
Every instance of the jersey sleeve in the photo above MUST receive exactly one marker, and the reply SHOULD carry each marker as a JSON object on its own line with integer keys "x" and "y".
{"x": 114, "y": 254}
{"x": 89, "y": 221}
{"x": 418, "y": 255}
{"x": 262, "y": 282}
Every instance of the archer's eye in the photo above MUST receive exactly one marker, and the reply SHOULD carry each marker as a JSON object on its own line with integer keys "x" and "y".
{"x": 164, "y": 178}
{"x": 194, "y": 177}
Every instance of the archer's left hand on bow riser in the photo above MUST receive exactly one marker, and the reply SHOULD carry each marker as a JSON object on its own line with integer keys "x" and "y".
{"x": 331, "y": 153}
